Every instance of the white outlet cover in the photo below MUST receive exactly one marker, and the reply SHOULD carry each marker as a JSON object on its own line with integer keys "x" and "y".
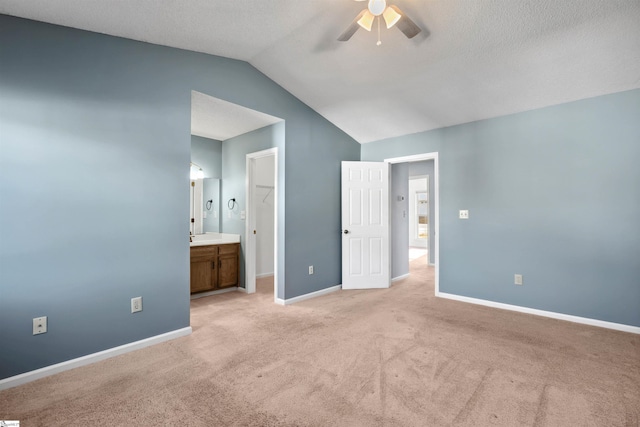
{"x": 464, "y": 214}
{"x": 136, "y": 304}
{"x": 39, "y": 325}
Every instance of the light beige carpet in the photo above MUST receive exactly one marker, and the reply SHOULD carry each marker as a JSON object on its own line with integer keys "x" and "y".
{"x": 396, "y": 357}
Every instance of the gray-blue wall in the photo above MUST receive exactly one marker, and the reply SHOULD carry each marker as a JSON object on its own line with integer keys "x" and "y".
{"x": 399, "y": 198}
{"x": 313, "y": 215}
{"x": 95, "y": 139}
{"x": 207, "y": 153}
{"x": 552, "y": 194}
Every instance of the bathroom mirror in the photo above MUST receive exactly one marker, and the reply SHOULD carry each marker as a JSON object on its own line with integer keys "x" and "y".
{"x": 204, "y": 205}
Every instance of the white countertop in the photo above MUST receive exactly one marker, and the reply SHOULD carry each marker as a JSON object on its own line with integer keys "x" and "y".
{"x": 214, "y": 239}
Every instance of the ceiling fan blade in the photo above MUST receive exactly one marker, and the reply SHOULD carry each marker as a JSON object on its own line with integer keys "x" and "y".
{"x": 406, "y": 25}
{"x": 351, "y": 30}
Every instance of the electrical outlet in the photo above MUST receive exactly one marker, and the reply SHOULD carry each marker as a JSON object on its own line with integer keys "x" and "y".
{"x": 517, "y": 279}
{"x": 464, "y": 214}
{"x": 136, "y": 304}
{"x": 39, "y": 325}
{"x": 311, "y": 269}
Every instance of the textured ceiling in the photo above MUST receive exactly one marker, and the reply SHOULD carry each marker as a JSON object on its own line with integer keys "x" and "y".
{"x": 217, "y": 119}
{"x": 476, "y": 58}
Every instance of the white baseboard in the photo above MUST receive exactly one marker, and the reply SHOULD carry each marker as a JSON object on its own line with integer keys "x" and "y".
{"x": 551, "y": 314}
{"x": 260, "y": 276}
{"x": 404, "y": 276}
{"x": 90, "y": 358}
{"x": 219, "y": 291}
{"x": 308, "y": 296}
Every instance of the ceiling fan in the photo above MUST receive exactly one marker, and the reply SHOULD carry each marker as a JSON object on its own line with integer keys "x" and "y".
{"x": 378, "y": 9}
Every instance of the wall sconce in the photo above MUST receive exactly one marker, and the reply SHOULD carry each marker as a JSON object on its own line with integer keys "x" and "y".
{"x": 195, "y": 171}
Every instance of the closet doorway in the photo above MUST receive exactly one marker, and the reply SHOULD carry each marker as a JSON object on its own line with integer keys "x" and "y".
{"x": 262, "y": 224}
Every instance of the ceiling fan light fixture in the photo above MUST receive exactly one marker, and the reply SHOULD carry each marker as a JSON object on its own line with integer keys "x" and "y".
{"x": 391, "y": 17}
{"x": 366, "y": 21}
{"x": 376, "y": 7}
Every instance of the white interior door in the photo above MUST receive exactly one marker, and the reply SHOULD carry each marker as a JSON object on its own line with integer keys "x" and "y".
{"x": 365, "y": 225}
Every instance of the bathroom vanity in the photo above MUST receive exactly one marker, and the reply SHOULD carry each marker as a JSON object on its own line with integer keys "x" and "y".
{"x": 215, "y": 262}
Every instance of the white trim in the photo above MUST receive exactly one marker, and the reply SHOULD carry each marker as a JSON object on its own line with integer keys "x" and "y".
{"x": 436, "y": 203}
{"x": 260, "y": 276}
{"x": 209, "y": 293}
{"x": 404, "y": 276}
{"x": 250, "y": 241}
{"x": 90, "y": 358}
{"x": 551, "y": 314}
{"x": 310, "y": 295}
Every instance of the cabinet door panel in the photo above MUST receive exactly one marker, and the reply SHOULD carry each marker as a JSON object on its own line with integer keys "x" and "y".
{"x": 228, "y": 272}
{"x": 203, "y": 275}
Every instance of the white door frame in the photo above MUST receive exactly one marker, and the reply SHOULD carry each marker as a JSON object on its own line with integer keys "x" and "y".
{"x": 436, "y": 204}
{"x": 250, "y": 239}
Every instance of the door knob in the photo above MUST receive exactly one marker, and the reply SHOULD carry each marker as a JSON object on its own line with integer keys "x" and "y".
{"x": 346, "y": 231}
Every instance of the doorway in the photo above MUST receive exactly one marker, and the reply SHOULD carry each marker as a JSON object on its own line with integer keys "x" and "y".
{"x": 418, "y": 216}
{"x": 262, "y": 221}
{"x": 434, "y": 208}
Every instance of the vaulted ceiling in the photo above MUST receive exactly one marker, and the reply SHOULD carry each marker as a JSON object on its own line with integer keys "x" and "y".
{"x": 474, "y": 59}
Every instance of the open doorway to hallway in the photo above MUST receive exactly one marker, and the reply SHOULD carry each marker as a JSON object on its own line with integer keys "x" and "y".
{"x": 418, "y": 200}
{"x": 414, "y": 215}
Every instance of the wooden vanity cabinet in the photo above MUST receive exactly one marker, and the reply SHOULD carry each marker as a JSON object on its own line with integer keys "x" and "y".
{"x": 228, "y": 265}
{"x": 214, "y": 267}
